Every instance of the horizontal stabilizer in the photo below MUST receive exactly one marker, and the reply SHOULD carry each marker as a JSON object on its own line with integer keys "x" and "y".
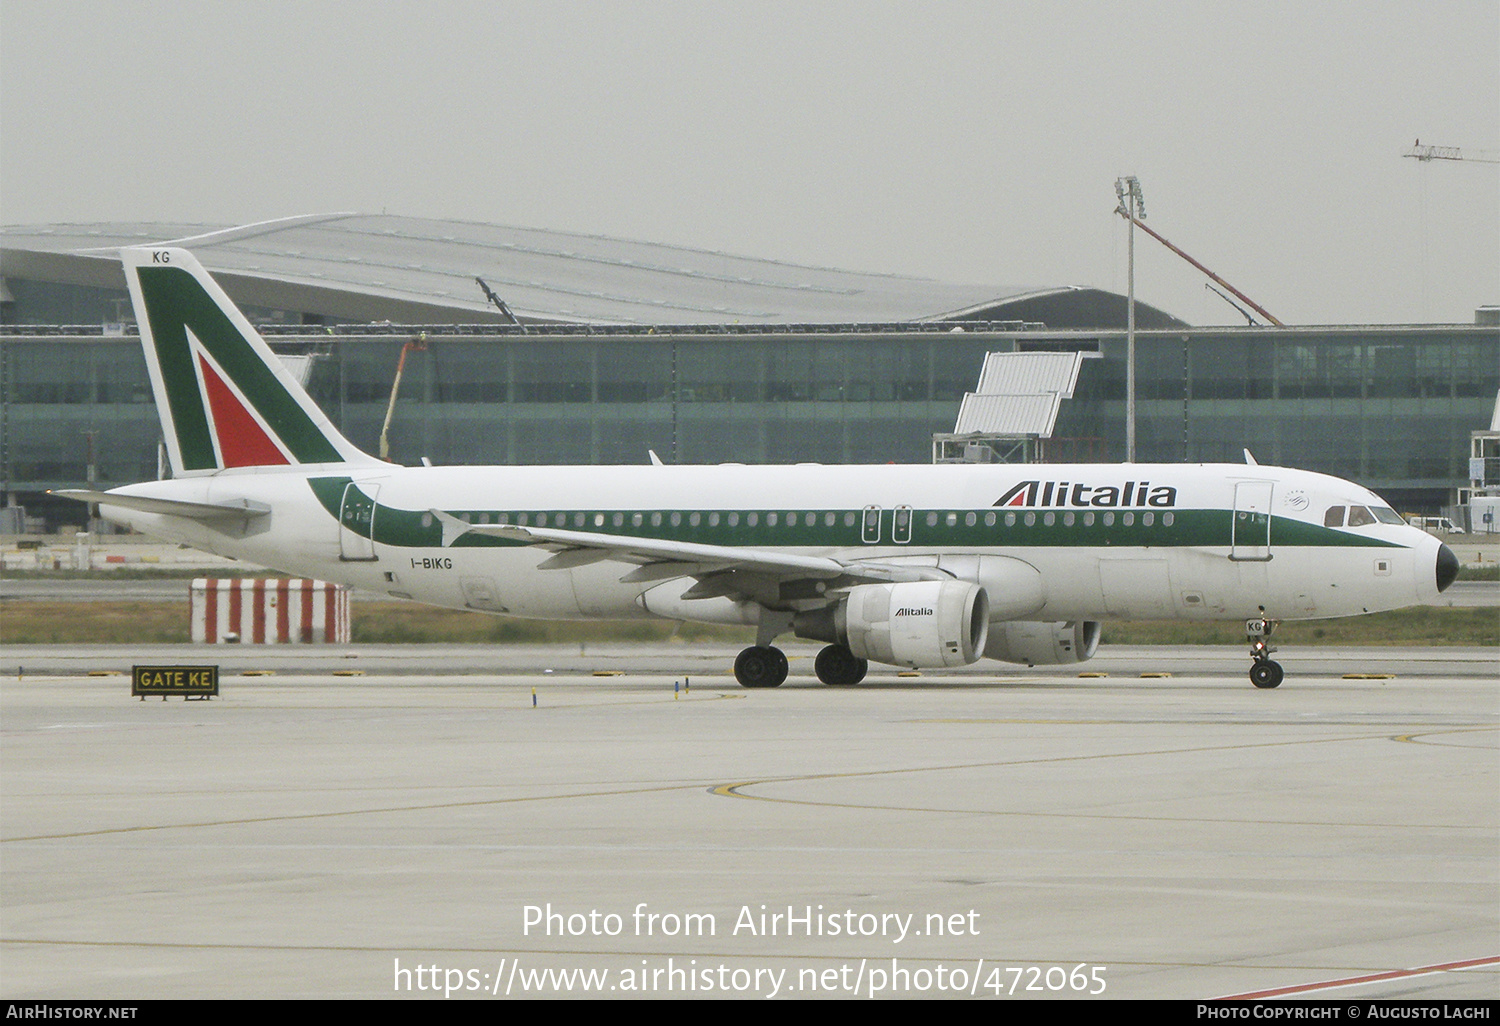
{"x": 243, "y": 508}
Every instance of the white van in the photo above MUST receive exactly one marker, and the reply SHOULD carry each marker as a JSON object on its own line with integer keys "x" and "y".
{"x": 1435, "y": 525}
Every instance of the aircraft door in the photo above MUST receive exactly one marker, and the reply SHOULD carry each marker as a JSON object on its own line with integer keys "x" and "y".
{"x": 357, "y": 523}
{"x": 901, "y": 525}
{"x": 1250, "y": 532}
{"x": 871, "y": 531}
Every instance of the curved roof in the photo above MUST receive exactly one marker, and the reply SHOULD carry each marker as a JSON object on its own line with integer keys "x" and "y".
{"x": 384, "y": 267}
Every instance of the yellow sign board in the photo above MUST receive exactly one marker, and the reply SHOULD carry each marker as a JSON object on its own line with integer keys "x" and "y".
{"x": 188, "y": 681}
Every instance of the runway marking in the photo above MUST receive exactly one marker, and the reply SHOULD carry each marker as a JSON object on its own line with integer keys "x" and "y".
{"x": 351, "y": 812}
{"x": 1360, "y": 981}
{"x": 654, "y": 695}
{"x": 733, "y": 790}
{"x": 1416, "y": 739}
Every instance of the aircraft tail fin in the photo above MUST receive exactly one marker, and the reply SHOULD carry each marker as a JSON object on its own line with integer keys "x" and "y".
{"x": 224, "y": 398}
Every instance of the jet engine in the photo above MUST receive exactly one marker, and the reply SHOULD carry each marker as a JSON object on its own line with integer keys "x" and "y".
{"x": 917, "y": 624}
{"x": 1042, "y": 644}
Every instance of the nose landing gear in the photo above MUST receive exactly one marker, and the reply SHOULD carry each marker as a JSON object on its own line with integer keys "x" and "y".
{"x": 1264, "y": 671}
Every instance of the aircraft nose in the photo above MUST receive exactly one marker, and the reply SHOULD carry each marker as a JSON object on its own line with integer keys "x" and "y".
{"x": 1447, "y": 567}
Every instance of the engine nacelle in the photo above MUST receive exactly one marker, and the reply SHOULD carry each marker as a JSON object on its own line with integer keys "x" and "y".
{"x": 1042, "y": 644}
{"x": 917, "y": 624}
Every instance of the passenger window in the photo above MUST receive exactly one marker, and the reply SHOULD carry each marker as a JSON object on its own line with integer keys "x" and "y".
{"x": 1334, "y": 517}
{"x": 1360, "y": 517}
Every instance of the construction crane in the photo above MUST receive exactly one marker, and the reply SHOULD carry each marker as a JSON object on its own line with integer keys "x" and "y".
{"x": 1212, "y": 276}
{"x": 417, "y": 343}
{"x": 1429, "y": 153}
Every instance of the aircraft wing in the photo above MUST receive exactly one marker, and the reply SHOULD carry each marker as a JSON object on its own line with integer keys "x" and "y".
{"x": 719, "y": 569}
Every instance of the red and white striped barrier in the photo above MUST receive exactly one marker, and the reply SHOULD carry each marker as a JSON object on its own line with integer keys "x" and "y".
{"x": 274, "y": 611}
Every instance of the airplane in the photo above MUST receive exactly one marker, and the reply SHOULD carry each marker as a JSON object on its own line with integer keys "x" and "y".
{"x": 926, "y": 566}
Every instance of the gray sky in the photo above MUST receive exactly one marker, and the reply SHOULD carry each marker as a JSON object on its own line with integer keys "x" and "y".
{"x": 968, "y": 142}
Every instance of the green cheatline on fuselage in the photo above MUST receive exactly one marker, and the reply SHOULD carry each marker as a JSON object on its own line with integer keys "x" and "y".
{"x": 1190, "y": 528}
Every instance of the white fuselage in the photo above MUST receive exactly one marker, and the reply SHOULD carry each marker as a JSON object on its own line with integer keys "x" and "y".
{"x": 1204, "y": 542}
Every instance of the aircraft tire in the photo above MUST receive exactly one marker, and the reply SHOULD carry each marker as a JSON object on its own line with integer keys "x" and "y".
{"x": 761, "y": 666}
{"x": 836, "y": 665}
{"x": 1266, "y": 674}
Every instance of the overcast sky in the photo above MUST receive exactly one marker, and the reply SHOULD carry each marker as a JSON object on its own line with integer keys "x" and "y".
{"x": 967, "y": 142}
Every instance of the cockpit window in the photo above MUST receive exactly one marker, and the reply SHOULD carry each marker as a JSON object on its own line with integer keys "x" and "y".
{"x": 1360, "y": 517}
{"x": 1386, "y": 515}
{"x": 1334, "y": 517}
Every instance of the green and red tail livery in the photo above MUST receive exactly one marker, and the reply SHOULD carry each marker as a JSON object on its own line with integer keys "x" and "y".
{"x": 225, "y": 399}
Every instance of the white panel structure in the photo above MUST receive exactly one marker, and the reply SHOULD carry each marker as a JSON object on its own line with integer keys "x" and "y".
{"x": 269, "y": 611}
{"x": 1030, "y": 373}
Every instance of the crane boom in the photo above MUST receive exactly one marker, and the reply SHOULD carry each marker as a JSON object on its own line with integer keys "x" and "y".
{"x": 1429, "y": 153}
{"x": 1243, "y": 298}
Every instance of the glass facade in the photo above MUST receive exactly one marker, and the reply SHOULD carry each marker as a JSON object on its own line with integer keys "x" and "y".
{"x": 1389, "y": 407}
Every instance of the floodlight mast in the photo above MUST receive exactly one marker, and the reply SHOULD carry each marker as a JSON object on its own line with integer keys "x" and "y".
{"x": 1132, "y": 207}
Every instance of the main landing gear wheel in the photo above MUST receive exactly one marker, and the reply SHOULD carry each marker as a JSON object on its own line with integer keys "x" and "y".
{"x": 1264, "y": 672}
{"x": 760, "y": 666}
{"x": 837, "y": 665}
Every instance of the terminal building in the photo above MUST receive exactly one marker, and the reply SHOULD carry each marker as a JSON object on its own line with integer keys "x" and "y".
{"x": 597, "y": 350}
